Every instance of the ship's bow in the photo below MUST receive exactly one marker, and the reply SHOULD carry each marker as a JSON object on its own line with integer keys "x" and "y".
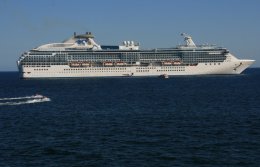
{"x": 242, "y": 65}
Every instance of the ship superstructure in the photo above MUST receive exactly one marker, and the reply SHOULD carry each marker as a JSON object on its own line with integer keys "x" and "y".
{"x": 81, "y": 56}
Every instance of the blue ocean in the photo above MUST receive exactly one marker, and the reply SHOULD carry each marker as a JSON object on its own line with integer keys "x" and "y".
{"x": 211, "y": 120}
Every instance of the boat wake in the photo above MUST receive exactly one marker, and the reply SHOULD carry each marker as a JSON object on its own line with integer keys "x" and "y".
{"x": 17, "y": 98}
{"x": 23, "y": 100}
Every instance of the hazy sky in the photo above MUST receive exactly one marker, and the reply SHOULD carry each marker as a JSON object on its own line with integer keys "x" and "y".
{"x": 25, "y": 24}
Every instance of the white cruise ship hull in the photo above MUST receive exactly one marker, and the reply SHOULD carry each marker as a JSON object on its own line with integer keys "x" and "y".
{"x": 65, "y": 71}
{"x": 81, "y": 56}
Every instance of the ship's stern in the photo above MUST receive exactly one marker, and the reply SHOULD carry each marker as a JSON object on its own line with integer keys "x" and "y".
{"x": 20, "y": 65}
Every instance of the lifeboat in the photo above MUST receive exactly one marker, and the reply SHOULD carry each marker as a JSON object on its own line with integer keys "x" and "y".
{"x": 176, "y": 62}
{"x": 166, "y": 63}
{"x": 85, "y": 64}
{"x": 108, "y": 63}
{"x": 120, "y": 63}
{"x": 74, "y": 64}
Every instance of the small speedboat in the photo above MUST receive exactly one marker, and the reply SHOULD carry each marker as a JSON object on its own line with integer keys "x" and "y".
{"x": 38, "y": 96}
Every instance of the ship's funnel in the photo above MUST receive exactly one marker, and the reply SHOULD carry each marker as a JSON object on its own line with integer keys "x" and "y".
{"x": 188, "y": 40}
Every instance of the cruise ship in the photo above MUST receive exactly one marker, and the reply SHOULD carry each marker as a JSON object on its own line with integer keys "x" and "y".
{"x": 81, "y": 56}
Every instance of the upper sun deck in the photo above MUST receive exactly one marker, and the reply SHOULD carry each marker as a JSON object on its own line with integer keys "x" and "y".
{"x": 85, "y": 42}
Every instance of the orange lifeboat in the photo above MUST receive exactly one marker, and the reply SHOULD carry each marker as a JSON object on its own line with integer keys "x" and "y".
{"x": 176, "y": 62}
{"x": 85, "y": 64}
{"x": 74, "y": 64}
{"x": 166, "y": 63}
{"x": 120, "y": 63}
{"x": 108, "y": 63}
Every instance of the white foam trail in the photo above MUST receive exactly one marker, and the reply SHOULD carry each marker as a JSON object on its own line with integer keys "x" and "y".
{"x": 17, "y": 98}
{"x": 10, "y": 103}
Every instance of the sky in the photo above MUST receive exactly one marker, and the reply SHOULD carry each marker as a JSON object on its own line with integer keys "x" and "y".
{"x": 26, "y": 24}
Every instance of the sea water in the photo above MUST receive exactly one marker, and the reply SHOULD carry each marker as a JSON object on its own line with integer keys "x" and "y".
{"x": 211, "y": 120}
